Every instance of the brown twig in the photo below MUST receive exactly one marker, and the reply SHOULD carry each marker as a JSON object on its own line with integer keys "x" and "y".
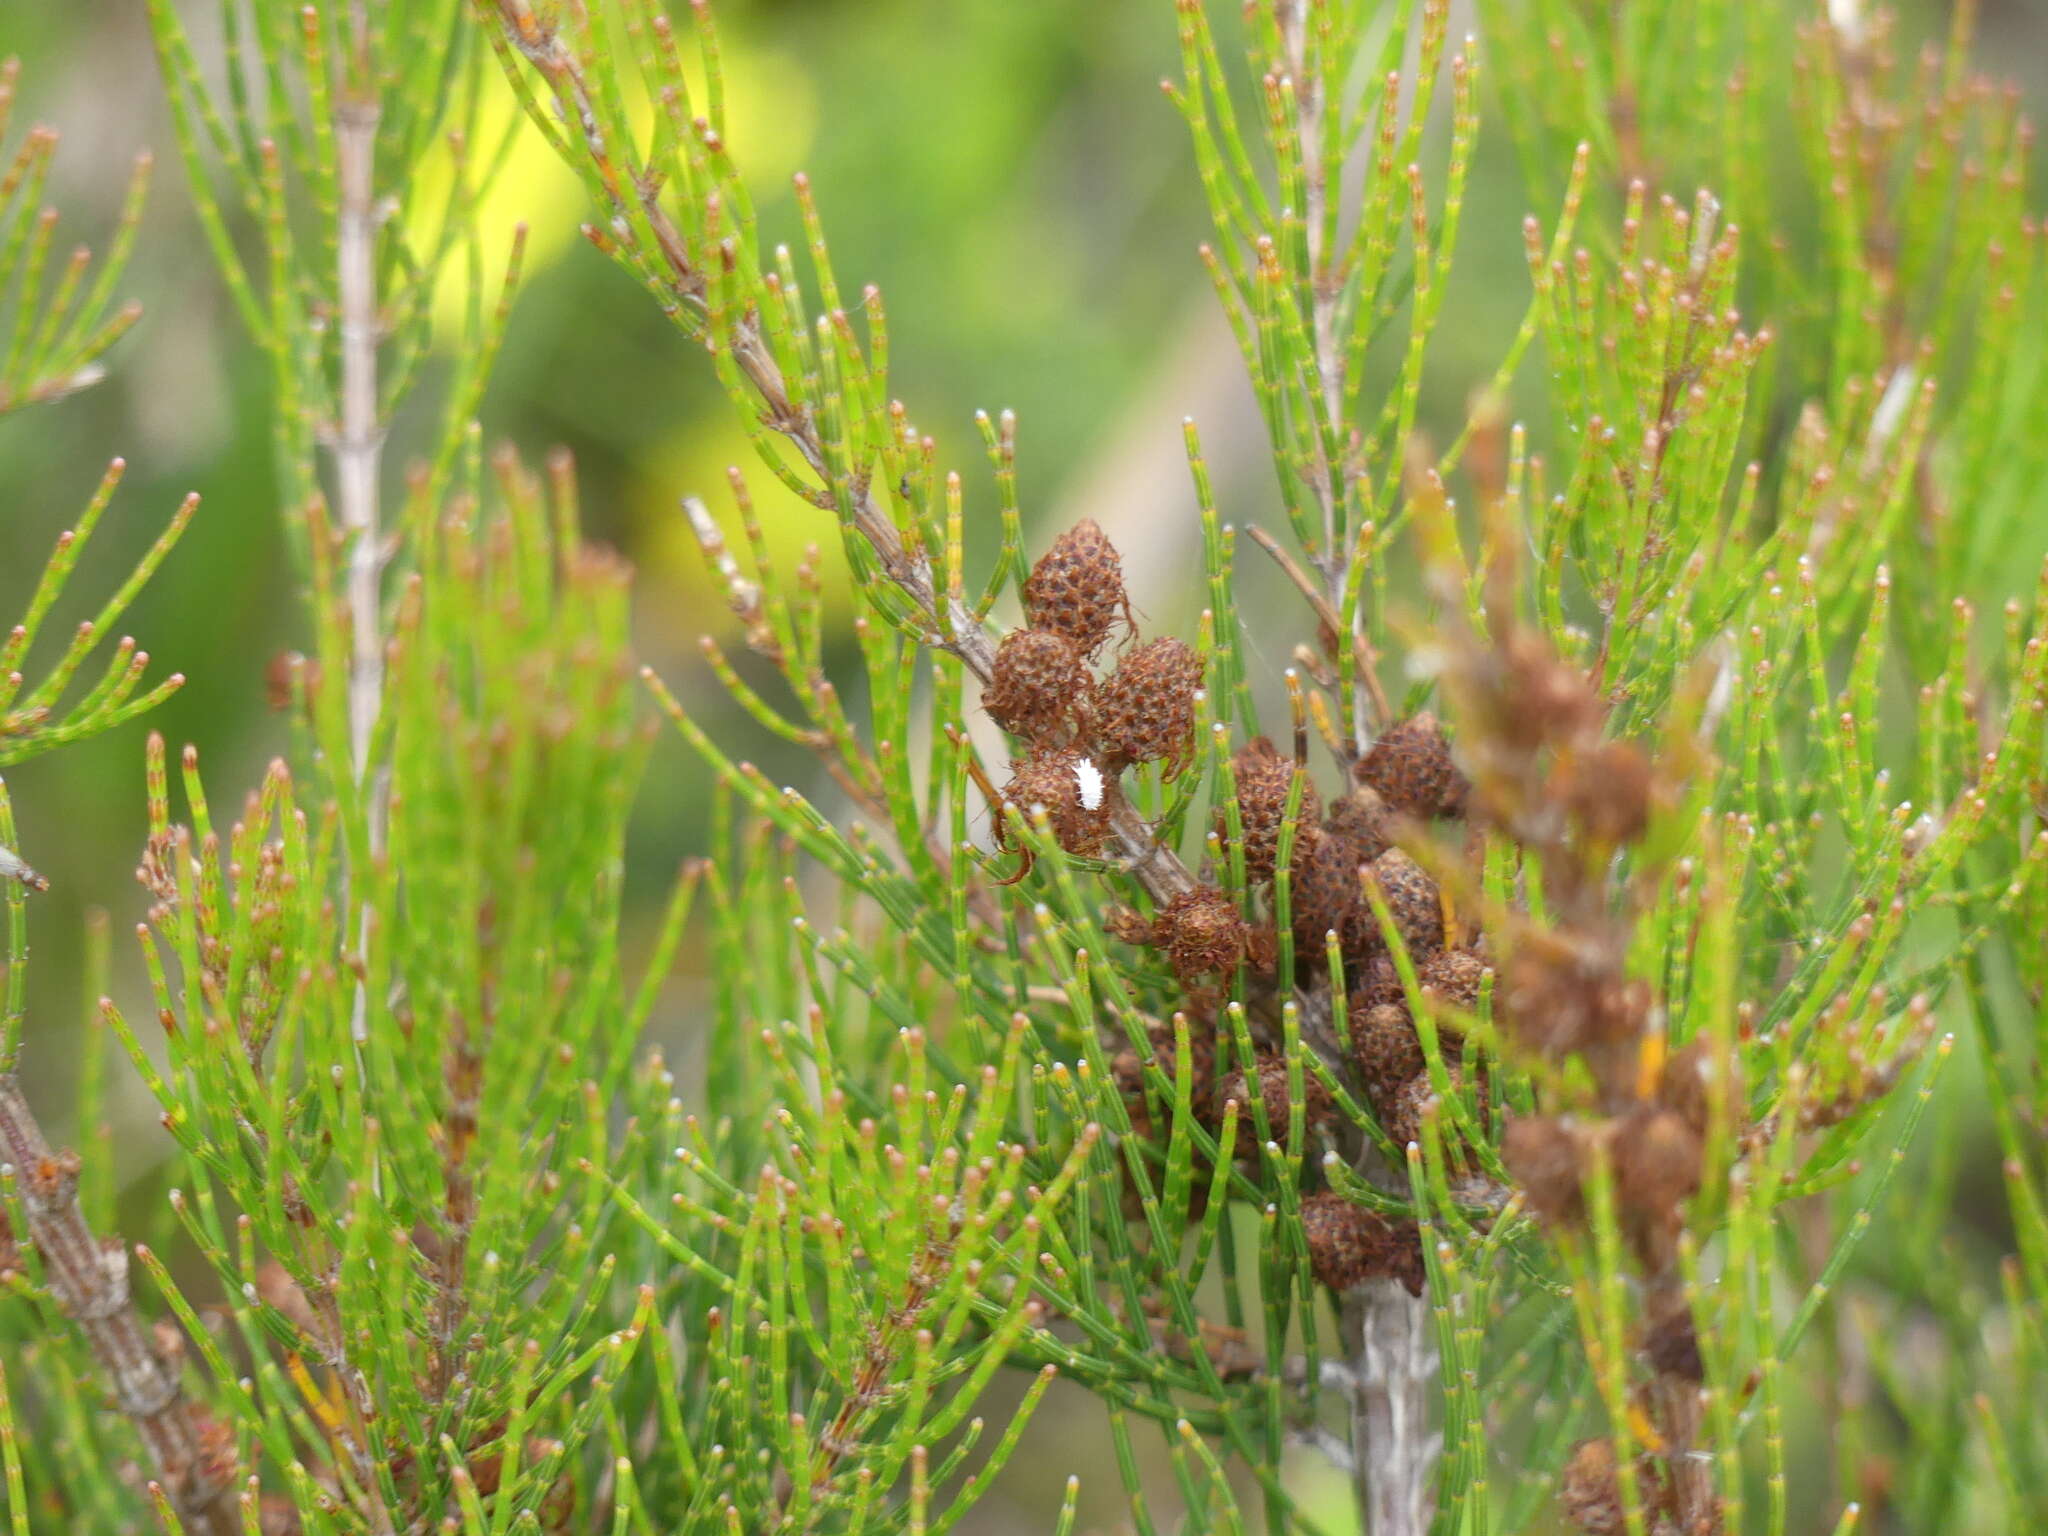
{"x": 89, "y": 1277}
{"x": 1155, "y": 866}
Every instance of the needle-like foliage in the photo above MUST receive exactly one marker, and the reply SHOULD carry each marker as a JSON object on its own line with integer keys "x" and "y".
{"x": 1480, "y": 1055}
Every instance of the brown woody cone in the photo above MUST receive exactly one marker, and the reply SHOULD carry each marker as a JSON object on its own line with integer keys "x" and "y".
{"x": 1129, "y": 1069}
{"x": 1263, "y": 779}
{"x": 1362, "y": 820}
{"x": 1325, "y": 897}
{"x": 1412, "y": 901}
{"x": 1039, "y": 681}
{"x": 1348, "y": 1244}
{"x": 1201, "y": 932}
{"x": 1402, "y": 1116}
{"x": 1077, "y": 588}
{"x": 1052, "y": 779}
{"x": 1453, "y": 976}
{"x": 1145, "y": 709}
{"x": 1410, "y": 765}
{"x": 1388, "y": 1054}
{"x": 1272, "y": 1086}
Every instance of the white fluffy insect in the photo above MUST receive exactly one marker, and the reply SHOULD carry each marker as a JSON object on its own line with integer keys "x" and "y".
{"x": 1089, "y": 778}
{"x": 13, "y": 867}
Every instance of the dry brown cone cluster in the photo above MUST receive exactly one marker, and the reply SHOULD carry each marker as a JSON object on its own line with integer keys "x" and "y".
{"x": 1081, "y": 731}
{"x": 1407, "y": 777}
{"x": 1545, "y": 775}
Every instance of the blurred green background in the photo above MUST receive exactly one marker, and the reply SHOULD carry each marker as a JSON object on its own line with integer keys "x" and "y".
{"x": 1008, "y": 173}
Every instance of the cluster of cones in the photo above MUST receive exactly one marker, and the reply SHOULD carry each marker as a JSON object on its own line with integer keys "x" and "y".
{"x": 1084, "y": 731}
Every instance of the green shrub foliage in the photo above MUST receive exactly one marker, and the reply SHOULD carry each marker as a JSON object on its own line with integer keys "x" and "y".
{"x": 1483, "y": 1056}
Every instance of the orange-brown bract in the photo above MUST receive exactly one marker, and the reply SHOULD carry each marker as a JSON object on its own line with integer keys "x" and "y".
{"x": 1410, "y": 765}
{"x": 1077, "y": 588}
{"x": 1054, "y": 779}
{"x": 1145, "y": 709}
{"x": 1040, "y": 680}
{"x": 1607, "y": 790}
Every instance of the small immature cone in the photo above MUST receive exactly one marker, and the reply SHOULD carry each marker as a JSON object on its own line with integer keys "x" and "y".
{"x": 1671, "y": 1342}
{"x": 1039, "y": 681}
{"x": 1546, "y": 1156}
{"x": 1145, "y": 709}
{"x": 1410, "y": 765}
{"x": 1077, "y": 588}
{"x": 1591, "y": 1489}
{"x": 1687, "y": 1084}
{"x": 1656, "y": 1166}
{"x": 1263, "y": 780}
{"x": 1348, "y": 1244}
{"x": 1064, "y": 783}
{"x": 1607, "y": 791}
{"x": 1555, "y": 1004}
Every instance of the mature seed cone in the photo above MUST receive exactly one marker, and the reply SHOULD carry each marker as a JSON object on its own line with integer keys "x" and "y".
{"x": 1388, "y": 1054}
{"x": 1348, "y": 1244}
{"x": 1077, "y": 588}
{"x": 1454, "y": 976}
{"x": 1325, "y": 897}
{"x": 1546, "y": 1156}
{"x": 1591, "y": 1489}
{"x": 1607, "y": 791}
{"x": 1263, "y": 779}
{"x": 1362, "y": 821}
{"x": 1129, "y": 1072}
{"x": 1412, "y": 901}
{"x": 1378, "y": 982}
{"x": 1401, "y": 1118}
{"x": 1201, "y": 932}
{"x": 1410, "y": 765}
{"x": 1145, "y": 709}
{"x": 1272, "y": 1087}
{"x": 1063, "y": 782}
{"x": 1039, "y": 682}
